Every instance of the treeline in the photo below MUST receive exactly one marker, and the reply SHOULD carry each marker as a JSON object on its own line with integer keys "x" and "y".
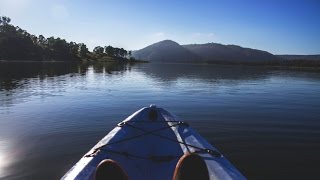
{"x": 18, "y": 44}
{"x": 112, "y": 51}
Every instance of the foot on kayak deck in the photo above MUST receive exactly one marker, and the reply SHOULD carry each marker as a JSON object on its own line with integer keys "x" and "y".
{"x": 191, "y": 167}
{"x": 109, "y": 169}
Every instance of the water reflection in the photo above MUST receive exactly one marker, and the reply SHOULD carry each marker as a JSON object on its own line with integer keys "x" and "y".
{"x": 19, "y": 81}
{"x": 16, "y": 75}
{"x": 171, "y": 73}
{"x": 209, "y": 73}
{"x": 5, "y": 157}
{"x": 52, "y": 113}
{"x": 46, "y": 79}
{"x": 12, "y": 73}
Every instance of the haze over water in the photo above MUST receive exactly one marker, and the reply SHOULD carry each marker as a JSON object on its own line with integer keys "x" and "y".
{"x": 266, "y": 121}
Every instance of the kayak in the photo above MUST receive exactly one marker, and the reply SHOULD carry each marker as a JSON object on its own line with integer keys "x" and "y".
{"x": 148, "y": 145}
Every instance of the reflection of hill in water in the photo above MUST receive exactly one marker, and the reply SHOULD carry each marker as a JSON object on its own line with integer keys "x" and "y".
{"x": 173, "y": 72}
{"x": 19, "y": 81}
{"x": 170, "y": 73}
{"x": 15, "y": 75}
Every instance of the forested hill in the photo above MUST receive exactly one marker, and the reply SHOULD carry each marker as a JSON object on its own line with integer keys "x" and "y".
{"x": 170, "y": 51}
{"x": 166, "y": 51}
{"x": 17, "y": 44}
{"x": 214, "y": 53}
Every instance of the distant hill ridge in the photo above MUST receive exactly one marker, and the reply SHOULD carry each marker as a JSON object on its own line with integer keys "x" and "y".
{"x": 170, "y": 51}
{"x": 230, "y": 53}
{"x": 166, "y": 51}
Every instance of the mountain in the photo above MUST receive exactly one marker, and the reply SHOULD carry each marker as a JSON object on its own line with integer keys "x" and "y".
{"x": 166, "y": 51}
{"x": 170, "y": 51}
{"x": 213, "y": 52}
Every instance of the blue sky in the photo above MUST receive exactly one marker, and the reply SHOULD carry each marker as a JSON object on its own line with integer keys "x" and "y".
{"x": 277, "y": 26}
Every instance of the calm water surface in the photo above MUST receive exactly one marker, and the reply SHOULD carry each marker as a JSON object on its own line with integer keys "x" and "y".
{"x": 265, "y": 121}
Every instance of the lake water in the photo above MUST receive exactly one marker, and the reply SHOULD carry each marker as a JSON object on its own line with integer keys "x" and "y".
{"x": 266, "y": 121}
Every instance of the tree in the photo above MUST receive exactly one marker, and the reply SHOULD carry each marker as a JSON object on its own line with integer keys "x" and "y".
{"x": 7, "y": 29}
{"x": 74, "y": 48}
{"x": 109, "y": 50}
{"x": 4, "y": 20}
{"x": 122, "y": 52}
{"x": 42, "y": 40}
{"x": 83, "y": 50}
{"x": 116, "y": 52}
{"x": 130, "y": 54}
{"x": 98, "y": 50}
{"x": 34, "y": 39}
{"x": 17, "y": 44}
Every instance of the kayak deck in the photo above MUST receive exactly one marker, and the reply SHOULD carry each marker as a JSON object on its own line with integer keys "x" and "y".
{"x": 148, "y": 145}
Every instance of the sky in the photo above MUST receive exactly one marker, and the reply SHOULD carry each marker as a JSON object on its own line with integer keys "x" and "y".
{"x": 277, "y": 26}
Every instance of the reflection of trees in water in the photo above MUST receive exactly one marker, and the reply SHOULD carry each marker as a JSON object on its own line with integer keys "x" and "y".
{"x": 16, "y": 79}
{"x": 13, "y": 74}
{"x": 111, "y": 67}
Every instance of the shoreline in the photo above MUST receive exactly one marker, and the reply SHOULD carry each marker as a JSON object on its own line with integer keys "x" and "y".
{"x": 197, "y": 64}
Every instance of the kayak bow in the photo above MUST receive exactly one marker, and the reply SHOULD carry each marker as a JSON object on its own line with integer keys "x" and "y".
{"x": 148, "y": 145}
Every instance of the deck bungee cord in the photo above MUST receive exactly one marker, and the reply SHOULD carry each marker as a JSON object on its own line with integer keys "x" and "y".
{"x": 214, "y": 153}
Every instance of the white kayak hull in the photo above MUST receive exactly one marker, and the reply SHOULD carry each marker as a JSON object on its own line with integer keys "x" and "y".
{"x": 150, "y": 149}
